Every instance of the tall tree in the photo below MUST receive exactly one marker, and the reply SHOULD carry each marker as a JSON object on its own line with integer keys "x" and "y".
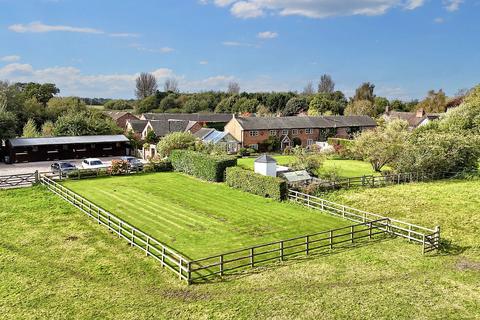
{"x": 326, "y": 84}
{"x": 41, "y": 92}
{"x": 434, "y": 102}
{"x": 327, "y": 103}
{"x": 233, "y": 88}
{"x": 308, "y": 90}
{"x": 365, "y": 92}
{"x": 171, "y": 85}
{"x": 30, "y": 129}
{"x": 7, "y": 124}
{"x": 146, "y": 85}
{"x": 47, "y": 129}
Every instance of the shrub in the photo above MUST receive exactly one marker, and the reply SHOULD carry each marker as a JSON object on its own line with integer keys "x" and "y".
{"x": 119, "y": 167}
{"x": 87, "y": 173}
{"x": 158, "y": 166}
{"x": 200, "y": 165}
{"x": 255, "y": 183}
{"x": 175, "y": 140}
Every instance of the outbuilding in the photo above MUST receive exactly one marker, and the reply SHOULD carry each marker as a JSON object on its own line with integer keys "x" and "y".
{"x": 266, "y": 165}
{"x": 61, "y": 148}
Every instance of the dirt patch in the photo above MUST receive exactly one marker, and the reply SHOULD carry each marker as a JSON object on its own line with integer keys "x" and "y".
{"x": 71, "y": 238}
{"x": 467, "y": 265}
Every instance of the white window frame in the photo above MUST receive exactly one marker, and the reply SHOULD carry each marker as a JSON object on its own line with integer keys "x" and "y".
{"x": 309, "y": 142}
{"x": 309, "y": 131}
{"x": 272, "y": 132}
{"x": 253, "y": 133}
{"x": 295, "y": 132}
{"x": 285, "y": 131}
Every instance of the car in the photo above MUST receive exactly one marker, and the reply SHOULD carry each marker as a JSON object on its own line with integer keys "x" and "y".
{"x": 62, "y": 167}
{"x": 93, "y": 163}
{"x": 134, "y": 164}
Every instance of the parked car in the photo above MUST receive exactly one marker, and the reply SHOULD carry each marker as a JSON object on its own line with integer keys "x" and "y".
{"x": 133, "y": 163}
{"x": 93, "y": 163}
{"x": 62, "y": 167}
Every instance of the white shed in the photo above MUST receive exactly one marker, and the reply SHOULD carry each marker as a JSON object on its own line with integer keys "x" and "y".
{"x": 266, "y": 165}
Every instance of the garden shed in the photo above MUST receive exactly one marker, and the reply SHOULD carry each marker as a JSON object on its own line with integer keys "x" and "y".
{"x": 266, "y": 165}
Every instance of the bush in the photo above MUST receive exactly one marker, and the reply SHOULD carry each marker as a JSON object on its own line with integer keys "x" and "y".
{"x": 175, "y": 140}
{"x": 158, "y": 166}
{"x": 255, "y": 183}
{"x": 119, "y": 167}
{"x": 87, "y": 173}
{"x": 200, "y": 165}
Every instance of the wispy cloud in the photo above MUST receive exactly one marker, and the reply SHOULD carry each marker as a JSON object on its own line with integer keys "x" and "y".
{"x": 140, "y": 47}
{"x": 452, "y": 5}
{"x": 314, "y": 9}
{"x": 439, "y": 20}
{"x": 39, "y": 27}
{"x": 203, "y": 62}
{"x": 11, "y": 58}
{"x": 267, "y": 35}
{"x": 237, "y": 44}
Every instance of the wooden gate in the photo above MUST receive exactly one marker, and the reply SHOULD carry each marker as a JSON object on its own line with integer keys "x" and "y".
{"x": 18, "y": 180}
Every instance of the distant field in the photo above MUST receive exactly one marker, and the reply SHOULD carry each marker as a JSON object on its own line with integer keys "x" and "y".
{"x": 55, "y": 263}
{"x": 199, "y": 218}
{"x": 345, "y": 168}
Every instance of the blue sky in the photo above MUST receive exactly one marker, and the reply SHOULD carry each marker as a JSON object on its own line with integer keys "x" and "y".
{"x": 96, "y": 48}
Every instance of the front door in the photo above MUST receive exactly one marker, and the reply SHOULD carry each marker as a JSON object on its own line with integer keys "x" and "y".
{"x": 285, "y": 142}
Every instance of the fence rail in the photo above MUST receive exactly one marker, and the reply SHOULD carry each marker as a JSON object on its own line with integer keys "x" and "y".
{"x": 18, "y": 180}
{"x": 168, "y": 257}
{"x": 373, "y": 181}
{"x": 429, "y": 238}
{"x": 219, "y": 265}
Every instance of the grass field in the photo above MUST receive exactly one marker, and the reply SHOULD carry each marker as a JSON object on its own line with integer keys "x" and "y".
{"x": 56, "y": 263}
{"x": 199, "y": 218}
{"x": 345, "y": 168}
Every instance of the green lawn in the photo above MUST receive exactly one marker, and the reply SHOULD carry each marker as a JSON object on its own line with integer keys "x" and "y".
{"x": 345, "y": 168}
{"x": 55, "y": 263}
{"x": 199, "y": 218}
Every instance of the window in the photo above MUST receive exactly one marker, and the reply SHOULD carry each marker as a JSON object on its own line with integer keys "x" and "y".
{"x": 285, "y": 131}
{"x": 309, "y": 142}
{"x": 253, "y": 133}
{"x": 254, "y": 146}
{"x": 272, "y": 132}
{"x": 295, "y": 132}
{"x": 309, "y": 131}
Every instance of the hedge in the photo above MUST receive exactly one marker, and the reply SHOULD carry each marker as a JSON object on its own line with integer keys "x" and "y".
{"x": 255, "y": 183}
{"x": 200, "y": 165}
{"x": 339, "y": 141}
{"x": 158, "y": 166}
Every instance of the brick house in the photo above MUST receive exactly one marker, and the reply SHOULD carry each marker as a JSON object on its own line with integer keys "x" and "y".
{"x": 211, "y": 120}
{"x": 120, "y": 117}
{"x": 253, "y": 132}
{"x": 415, "y": 119}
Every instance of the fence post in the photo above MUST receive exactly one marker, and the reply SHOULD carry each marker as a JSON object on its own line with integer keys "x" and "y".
{"x": 307, "y": 242}
{"x": 370, "y": 230}
{"x": 163, "y": 256}
{"x": 281, "y": 250}
{"x": 331, "y": 239}
{"x": 37, "y": 178}
{"x": 180, "y": 265}
{"x": 221, "y": 265}
{"x": 423, "y": 242}
{"x": 147, "y": 248}
{"x": 252, "y": 258}
{"x": 437, "y": 236}
{"x": 189, "y": 272}
{"x": 409, "y": 232}
{"x": 133, "y": 237}
{"x": 351, "y": 233}
{"x": 119, "y": 229}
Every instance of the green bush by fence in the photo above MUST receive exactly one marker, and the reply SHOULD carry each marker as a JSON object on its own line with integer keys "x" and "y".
{"x": 200, "y": 165}
{"x": 255, "y": 183}
{"x": 158, "y": 166}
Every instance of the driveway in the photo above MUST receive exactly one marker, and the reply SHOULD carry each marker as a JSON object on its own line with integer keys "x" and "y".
{"x": 42, "y": 166}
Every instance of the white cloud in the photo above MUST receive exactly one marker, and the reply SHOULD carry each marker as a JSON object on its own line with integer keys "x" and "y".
{"x": 11, "y": 58}
{"x": 39, "y": 27}
{"x": 203, "y": 62}
{"x": 236, "y": 44}
{"x": 267, "y": 35}
{"x": 452, "y": 5}
{"x": 439, "y": 20}
{"x": 244, "y": 9}
{"x": 140, "y": 47}
{"x": 72, "y": 81}
{"x": 316, "y": 8}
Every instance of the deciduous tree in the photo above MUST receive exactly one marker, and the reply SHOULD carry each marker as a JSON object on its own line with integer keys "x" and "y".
{"x": 326, "y": 84}
{"x": 146, "y": 85}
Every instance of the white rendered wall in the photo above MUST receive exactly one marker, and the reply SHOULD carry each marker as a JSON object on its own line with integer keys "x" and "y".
{"x": 266, "y": 169}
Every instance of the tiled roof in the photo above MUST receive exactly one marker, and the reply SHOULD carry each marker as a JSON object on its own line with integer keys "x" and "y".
{"x": 252, "y": 123}
{"x": 164, "y": 127}
{"x": 137, "y": 125}
{"x": 117, "y": 114}
{"x": 265, "y": 158}
{"x": 25, "y": 142}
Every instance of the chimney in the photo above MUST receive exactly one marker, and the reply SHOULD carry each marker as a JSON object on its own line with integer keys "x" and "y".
{"x": 420, "y": 113}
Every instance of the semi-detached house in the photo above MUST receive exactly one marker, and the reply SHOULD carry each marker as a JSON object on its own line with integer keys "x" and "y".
{"x": 253, "y": 132}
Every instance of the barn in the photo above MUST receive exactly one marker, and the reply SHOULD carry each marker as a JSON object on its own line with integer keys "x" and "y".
{"x": 62, "y": 148}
